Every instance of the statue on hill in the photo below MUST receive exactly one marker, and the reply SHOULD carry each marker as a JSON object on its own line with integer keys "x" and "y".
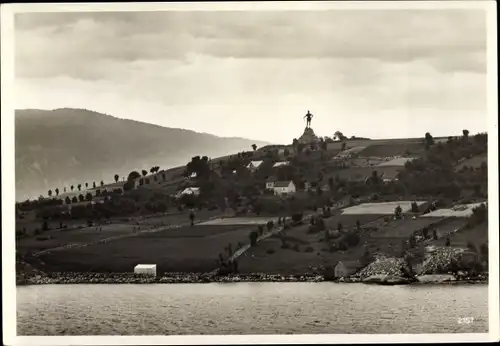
{"x": 308, "y": 118}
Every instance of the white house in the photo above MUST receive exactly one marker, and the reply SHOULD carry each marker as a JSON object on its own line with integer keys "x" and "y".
{"x": 282, "y": 163}
{"x": 284, "y": 187}
{"x": 145, "y": 269}
{"x": 193, "y": 175}
{"x": 269, "y": 185}
{"x": 346, "y": 268}
{"x": 254, "y": 165}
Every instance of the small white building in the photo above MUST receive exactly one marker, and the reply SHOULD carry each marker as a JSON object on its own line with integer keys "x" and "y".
{"x": 254, "y": 165}
{"x": 145, "y": 269}
{"x": 346, "y": 268}
{"x": 281, "y": 163}
{"x": 193, "y": 175}
{"x": 284, "y": 187}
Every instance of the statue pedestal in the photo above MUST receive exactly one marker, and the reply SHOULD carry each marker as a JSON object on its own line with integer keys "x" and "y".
{"x": 308, "y": 136}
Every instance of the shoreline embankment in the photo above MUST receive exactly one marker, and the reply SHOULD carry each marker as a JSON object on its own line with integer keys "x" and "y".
{"x": 190, "y": 278}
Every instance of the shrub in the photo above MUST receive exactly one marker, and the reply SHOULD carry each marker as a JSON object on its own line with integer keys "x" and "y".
{"x": 296, "y": 217}
{"x": 253, "y": 238}
{"x": 260, "y": 229}
{"x": 471, "y": 246}
{"x": 414, "y": 207}
{"x": 351, "y": 239}
{"x": 343, "y": 246}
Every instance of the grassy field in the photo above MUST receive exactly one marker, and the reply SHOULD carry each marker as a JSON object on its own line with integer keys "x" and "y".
{"x": 187, "y": 249}
{"x": 474, "y": 162}
{"x": 453, "y": 213}
{"x": 118, "y": 226}
{"x": 393, "y": 149}
{"x": 361, "y": 173}
{"x": 72, "y": 236}
{"x": 404, "y": 228}
{"x": 307, "y": 251}
{"x": 477, "y": 235}
{"x": 231, "y": 221}
{"x": 397, "y": 162}
{"x": 382, "y": 208}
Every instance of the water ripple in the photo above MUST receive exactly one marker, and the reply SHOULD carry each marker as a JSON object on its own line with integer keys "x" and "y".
{"x": 249, "y": 308}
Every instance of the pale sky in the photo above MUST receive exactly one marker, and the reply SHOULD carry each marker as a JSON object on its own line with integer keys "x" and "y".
{"x": 374, "y": 73}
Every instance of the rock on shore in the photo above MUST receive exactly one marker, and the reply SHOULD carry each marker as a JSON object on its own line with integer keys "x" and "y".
{"x": 436, "y": 278}
{"x": 386, "y": 280}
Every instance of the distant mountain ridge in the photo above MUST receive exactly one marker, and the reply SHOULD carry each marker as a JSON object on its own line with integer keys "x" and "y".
{"x": 57, "y": 148}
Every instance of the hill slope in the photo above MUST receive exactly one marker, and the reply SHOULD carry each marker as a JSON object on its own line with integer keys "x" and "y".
{"x": 70, "y": 146}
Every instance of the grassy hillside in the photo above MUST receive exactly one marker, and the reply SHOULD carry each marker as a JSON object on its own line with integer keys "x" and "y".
{"x": 70, "y": 146}
{"x": 228, "y": 188}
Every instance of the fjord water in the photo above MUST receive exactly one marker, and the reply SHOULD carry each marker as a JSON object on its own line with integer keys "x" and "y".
{"x": 250, "y": 308}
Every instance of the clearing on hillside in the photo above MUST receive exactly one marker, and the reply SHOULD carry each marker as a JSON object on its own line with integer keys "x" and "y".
{"x": 382, "y": 208}
{"x": 398, "y": 161}
{"x": 457, "y": 211}
{"x": 240, "y": 221}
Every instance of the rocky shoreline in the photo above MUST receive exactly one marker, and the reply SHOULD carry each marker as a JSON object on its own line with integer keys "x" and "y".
{"x": 178, "y": 278}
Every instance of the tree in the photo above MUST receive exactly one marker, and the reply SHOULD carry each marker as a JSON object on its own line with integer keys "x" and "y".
{"x": 79, "y": 187}
{"x": 144, "y": 172}
{"x": 466, "y": 134}
{"x": 133, "y": 175}
{"x": 425, "y": 232}
{"x": 102, "y": 183}
{"x": 414, "y": 207}
{"x": 374, "y": 179}
{"x": 50, "y": 193}
{"x": 330, "y": 183}
{"x": 164, "y": 176}
{"x": 254, "y": 147}
{"x": 93, "y": 185}
{"x": 434, "y": 234}
{"x": 429, "y": 140}
{"x": 260, "y": 230}
{"x": 343, "y": 147}
{"x": 67, "y": 200}
{"x": 72, "y": 187}
{"x": 74, "y": 199}
{"x": 81, "y": 198}
{"x": 253, "y": 238}
{"x": 339, "y": 226}
{"x": 339, "y": 135}
{"x": 86, "y": 185}
{"x": 88, "y": 196}
{"x": 57, "y": 191}
{"x": 116, "y": 178}
{"x": 397, "y": 211}
{"x": 64, "y": 189}
{"x": 447, "y": 242}
{"x": 483, "y": 250}
{"x": 358, "y": 225}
